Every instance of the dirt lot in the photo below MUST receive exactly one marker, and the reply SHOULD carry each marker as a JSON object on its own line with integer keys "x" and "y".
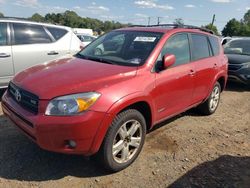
{"x": 186, "y": 151}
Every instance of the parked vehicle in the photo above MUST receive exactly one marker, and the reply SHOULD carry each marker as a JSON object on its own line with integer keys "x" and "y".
{"x": 86, "y": 39}
{"x": 104, "y": 100}
{"x": 225, "y": 40}
{"x": 25, "y": 43}
{"x": 83, "y": 31}
{"x": 238, "y": 53}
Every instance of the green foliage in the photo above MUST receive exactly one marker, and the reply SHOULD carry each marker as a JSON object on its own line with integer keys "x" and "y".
{"x": 246, "y": 18}
{"x": 213, "y": 28}
{"x": 1, "y": 15}
{"x": 238, "y": 28}
{"x": 71, "y": 19}
{"x": 37, "y": 17}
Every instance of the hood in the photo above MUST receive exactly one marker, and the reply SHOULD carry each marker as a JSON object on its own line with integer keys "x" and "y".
{"x": 69, "y": 76}
{"x": 237, "y": 58}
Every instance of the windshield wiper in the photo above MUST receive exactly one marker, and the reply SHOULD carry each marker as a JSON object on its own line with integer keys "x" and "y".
{"x": 95, "y": 59}
{"x": 101, "y": 60}
{"x": 81, "y": 56}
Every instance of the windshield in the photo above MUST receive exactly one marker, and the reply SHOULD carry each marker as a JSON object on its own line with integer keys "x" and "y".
{"x": 240, "y": 46}
{"x": 128, "y": 48}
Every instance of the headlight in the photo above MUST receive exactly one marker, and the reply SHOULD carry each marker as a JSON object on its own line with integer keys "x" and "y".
{"x": 71, "y": 104}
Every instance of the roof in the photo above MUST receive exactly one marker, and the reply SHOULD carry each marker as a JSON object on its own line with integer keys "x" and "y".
{"x": 167, "y": 27}
{"x": 23, "y": 20}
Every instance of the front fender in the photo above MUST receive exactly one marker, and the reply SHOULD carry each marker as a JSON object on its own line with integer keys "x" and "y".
{"x": 118, "y": 106}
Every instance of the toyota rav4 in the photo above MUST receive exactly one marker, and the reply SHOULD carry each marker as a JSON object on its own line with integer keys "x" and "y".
{"x": 105, "y": 99}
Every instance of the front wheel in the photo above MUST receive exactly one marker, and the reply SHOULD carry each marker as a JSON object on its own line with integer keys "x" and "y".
{"x": 211, "y": 104}
{"x": 123, "y": 141}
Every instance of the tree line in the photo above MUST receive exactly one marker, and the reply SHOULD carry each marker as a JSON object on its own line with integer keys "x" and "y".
{"x": 70, "y": 18}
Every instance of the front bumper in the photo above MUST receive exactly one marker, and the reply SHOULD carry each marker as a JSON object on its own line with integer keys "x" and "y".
{"x": 53, "y": 132}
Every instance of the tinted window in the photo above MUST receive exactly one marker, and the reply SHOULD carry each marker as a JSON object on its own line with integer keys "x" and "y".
{"x": 238, "y": 46}
{"x": 30, "y": 34}
{"x": 85, "y": 38}
{"x": 57, "y": 33}
{"x": 3, "y": 34}
{"x": 179, "y": 46}
{"x": 200, "y": 47}
{"x": 215, "y": 45}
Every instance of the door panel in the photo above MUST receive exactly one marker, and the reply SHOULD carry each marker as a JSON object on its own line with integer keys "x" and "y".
{"x": 174, "y": 85}
{"x": 173, "y": 90}
{"x": 25, "y": 56}
{"x": 31, "y": 46}
{"x": 204, "y": 64}
{"x": 6, "y": 64}
{"x": 6, "y": 61}
{"x": 205, "y": 73}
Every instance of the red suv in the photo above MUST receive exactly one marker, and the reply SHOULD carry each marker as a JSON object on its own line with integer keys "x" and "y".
{"x": 105, "y": 99}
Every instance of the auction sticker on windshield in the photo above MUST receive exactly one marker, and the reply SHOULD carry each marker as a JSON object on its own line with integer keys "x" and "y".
{"x": 145, "y": 39}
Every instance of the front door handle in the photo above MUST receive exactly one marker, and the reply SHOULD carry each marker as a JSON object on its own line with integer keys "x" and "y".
{"x": 4, "y": 55}
{"x": 53, "y": 53}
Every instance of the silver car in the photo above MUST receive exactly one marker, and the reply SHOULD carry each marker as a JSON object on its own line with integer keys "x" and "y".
{"x": 25, "y": 43}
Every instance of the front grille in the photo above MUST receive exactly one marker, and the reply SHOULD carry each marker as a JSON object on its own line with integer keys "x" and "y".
{"x": 24, "y": 98}
{"x": 234, "y": 67}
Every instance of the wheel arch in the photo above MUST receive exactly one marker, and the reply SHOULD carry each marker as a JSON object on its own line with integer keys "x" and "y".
{"x": 140, "y": 103}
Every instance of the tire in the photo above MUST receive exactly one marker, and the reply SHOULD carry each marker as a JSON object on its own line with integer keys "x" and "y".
{"x": 122, "y": 145}
{"x": 212, "y": 103}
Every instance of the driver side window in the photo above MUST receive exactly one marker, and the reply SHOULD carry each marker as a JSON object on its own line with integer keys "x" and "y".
{"x": 177, "y": 45}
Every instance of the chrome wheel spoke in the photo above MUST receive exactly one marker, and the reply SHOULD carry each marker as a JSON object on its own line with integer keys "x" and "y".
{"x": 211, "y": 103}
{"x": 135, "y": 142}
{"x": 118, "y": 147}
{"x": 216, "y": 97}
{"x": 123, "y": 132}
{"x": 125, "y": 153}
{"x": 134, "y": 127}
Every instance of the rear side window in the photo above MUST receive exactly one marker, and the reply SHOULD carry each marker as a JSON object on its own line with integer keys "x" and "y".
{"x": 57, "y": 33}
{"x": 200, "y": 47}
{"x": 3, "y": 34}
{"x": 179, "y": 46}
{"x": 30, "y": 34}
{"x": 215, "y": 45}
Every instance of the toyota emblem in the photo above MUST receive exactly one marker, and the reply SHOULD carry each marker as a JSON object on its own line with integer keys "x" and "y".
{"x": 18, "y": 95}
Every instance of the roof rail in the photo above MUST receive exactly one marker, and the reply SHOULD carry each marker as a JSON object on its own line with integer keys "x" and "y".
{"x": 26, "y": 20}
{"x": 174, "y": 26}
{"x": 15, "y": 18}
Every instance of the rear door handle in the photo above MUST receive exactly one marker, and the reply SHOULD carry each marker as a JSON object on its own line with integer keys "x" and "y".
{"x": 4, "y": 55}
{"x": 192, "y": 72}
{"x": 53, "y": 53}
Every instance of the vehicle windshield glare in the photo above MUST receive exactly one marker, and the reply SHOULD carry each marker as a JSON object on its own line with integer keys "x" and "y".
{"x": 128, "y": 48}
{"x": 241, "y": 47}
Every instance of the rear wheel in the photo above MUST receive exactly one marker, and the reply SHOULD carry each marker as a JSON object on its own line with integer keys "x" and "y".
{"x": 123, "y": 141}
{"x": 211, "y": 104}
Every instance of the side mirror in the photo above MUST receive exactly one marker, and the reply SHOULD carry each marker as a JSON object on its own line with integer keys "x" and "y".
{"x": 168, "y": 60}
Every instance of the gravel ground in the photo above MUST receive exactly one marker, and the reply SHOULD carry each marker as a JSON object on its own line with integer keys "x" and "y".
{"x": 186, "y": 151}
